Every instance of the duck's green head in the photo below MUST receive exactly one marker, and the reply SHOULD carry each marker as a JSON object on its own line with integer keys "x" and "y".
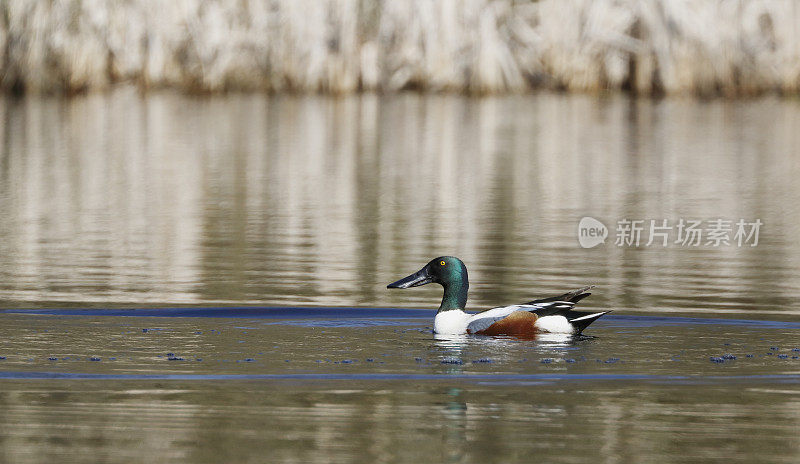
{"x": 448, "y": 271}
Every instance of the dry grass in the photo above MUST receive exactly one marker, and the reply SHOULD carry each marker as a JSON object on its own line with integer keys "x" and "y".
{"x": 729, "y": 47}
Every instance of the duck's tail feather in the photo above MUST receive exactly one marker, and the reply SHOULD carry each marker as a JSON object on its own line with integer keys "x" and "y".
{"x": 580, "y": 320}
{"x": 572, "y": 297}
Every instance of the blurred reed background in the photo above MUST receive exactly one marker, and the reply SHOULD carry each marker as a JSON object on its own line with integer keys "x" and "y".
{"x": 477, "y": 46}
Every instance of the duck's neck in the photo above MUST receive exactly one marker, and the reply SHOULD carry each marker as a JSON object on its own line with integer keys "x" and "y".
{"x": 455, "y": 295}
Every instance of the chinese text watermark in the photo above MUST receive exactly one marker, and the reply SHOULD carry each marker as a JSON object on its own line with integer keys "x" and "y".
{"x": 664, "y": 232}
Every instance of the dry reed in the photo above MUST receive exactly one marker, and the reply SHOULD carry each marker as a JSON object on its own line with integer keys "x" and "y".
{"x": 729, "y": 47}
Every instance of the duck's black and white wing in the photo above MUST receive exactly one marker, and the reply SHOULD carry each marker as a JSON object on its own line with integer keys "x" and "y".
{"x": 483, "y": 320}
{"x": 573, "y": 297}
{"x": 559, "y": 319}
{"x": 555, "y": 314}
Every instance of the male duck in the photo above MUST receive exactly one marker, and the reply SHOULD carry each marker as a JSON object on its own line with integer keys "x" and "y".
{"x": 551, "y": 315}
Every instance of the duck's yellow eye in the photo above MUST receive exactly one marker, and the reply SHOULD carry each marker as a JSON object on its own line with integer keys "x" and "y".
{"x": 441, "y": 262}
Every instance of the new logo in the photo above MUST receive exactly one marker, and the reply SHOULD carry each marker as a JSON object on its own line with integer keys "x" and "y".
{"x": 591, "y": 232}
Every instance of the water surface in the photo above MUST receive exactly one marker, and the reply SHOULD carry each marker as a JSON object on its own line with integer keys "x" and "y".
{"x": 202, "y": 279}
{"x": 119, "y": 200}
{"x": 338, "y": 389}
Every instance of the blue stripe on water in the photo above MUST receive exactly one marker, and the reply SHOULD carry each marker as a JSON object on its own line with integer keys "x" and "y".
{"x": 242, "y": 312}
{"x": 501, "y": 378}
{"x": 370, "y": 316}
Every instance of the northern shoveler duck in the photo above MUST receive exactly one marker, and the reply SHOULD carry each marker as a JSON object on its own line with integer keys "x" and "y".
{"x": 550, "y": 315}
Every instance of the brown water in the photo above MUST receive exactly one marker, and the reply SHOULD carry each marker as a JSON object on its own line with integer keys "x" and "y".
{"x": 120, "y": 201}
{"x": 199, "y": 389}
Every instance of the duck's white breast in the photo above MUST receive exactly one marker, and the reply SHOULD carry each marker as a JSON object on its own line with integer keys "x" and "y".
{"x": 451, "y": 322}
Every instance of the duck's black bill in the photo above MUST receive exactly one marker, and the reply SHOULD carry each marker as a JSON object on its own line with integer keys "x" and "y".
{"x": 416, "y": 279}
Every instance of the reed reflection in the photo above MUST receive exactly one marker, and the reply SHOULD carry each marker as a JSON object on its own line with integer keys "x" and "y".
{"x": 116, "y": 199}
